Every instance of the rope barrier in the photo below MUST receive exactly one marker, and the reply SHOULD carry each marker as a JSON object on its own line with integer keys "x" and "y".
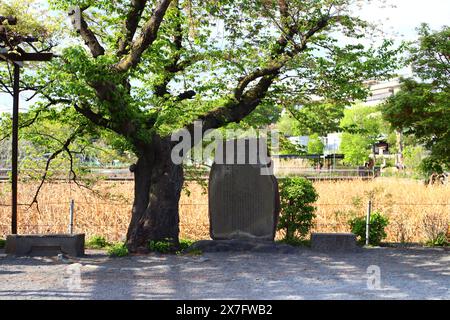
{"x": 205, "y": 204}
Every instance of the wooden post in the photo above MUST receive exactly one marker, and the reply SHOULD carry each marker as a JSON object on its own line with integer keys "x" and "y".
{"x": 16, "y": 58}
{"x": 369, "y": 211}
{"x": 72, "y": 205}
{"x": 15, "y": 138}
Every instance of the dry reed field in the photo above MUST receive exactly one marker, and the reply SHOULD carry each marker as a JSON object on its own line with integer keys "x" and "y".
{"x": 410, "y": 206}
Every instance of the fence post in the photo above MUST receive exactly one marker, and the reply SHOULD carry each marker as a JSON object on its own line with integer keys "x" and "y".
{"x": 369, "y": 211}
{"x": 72, "y": 204}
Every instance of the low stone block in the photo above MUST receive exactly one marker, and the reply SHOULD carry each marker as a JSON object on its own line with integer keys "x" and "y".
{"x": 331, "y": 242}
{"x": 45, "y": 245}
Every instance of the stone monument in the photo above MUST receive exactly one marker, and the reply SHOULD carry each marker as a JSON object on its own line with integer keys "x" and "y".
{"x": 243, "y": 193}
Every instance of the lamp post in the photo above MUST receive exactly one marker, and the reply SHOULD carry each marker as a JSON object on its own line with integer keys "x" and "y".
{"x": 17, "y": 57}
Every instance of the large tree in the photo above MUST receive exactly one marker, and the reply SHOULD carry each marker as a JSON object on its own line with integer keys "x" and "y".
{"x": 421, "y": 108}
{"x": 147, "y": 68}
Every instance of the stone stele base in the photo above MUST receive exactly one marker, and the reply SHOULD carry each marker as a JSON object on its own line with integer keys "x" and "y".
{"x": 331, "y": 242}
{"x": 45, "y": 244}
{"x": 242, "y": 245}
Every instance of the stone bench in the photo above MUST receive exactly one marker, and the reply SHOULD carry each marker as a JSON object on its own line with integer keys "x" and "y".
{"x": 242, "y": 245}
{"x": 331, "y": 242}
{"x": 45, "y": 245}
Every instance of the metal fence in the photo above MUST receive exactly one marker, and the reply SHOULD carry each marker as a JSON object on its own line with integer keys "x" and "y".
{"x": 279, "y": 172}
{"x": 58, "y": 217}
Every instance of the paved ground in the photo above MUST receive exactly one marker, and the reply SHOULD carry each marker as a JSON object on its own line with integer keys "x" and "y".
{"x": 414, "y": 273}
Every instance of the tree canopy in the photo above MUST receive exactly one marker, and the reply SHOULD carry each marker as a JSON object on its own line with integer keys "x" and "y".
{"x": 210, "y": 59}
{"x": 421, "y": 108}
{"x": 315, "y": 145}
{"x": 317, "y": 117}
{"x": 142, "y": 69}
{"x": 362, "y": 126}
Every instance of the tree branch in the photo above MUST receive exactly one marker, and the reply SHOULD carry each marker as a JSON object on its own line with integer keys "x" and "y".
{"x": 6, "y": 87}
{"x": 245, "y": 81}
{"x": 146, "y": 38}
{"x": 175, "y": 65}
{"x": 92, "y": 116}
{"x": 235, "y": 110}
{"x": 126, "y": 127}
{"x": 74, "y": 174}
{"x": 87, "y": 35}
{"x": 37, "y": 114}
{"x": 276, "y": 64}
{"x": 64, "y": 147}
{"x": 246, "y": 101}
{"x": 188, "y": 94}
{"x": 131, "y": 24}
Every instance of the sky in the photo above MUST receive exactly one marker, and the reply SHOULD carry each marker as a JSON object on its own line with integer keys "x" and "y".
{"x": 408, "y": 15}
{"x": 399, "y": 22}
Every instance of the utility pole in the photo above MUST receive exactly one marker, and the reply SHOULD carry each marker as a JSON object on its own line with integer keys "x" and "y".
{"x": 15, "y": 147}
{"x": 16, "y": 57}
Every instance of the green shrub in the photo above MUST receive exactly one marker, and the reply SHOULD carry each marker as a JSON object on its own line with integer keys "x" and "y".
{"x": 439, "y": 241}
{"x": 297, "y": 213}
{"x": 2, "y": 243}
{"x": 435, "y": 228}
{"x": 117, "y": 250}
{"x": 169, "y": 246}
{"x": 164, "y": 246}
{"x": 378, "y": 223}
{"x": 97, "y": 242}
{"x": 184, "y": 244}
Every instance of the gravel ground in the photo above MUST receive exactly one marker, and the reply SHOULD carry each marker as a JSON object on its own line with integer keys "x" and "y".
{"x": 405, "y": 273}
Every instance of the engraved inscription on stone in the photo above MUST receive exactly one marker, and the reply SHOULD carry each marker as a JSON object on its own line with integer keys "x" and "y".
{"x": 243, "y": 203}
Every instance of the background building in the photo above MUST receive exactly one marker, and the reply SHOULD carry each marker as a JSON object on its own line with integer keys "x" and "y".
{"x": 379, "y": 91}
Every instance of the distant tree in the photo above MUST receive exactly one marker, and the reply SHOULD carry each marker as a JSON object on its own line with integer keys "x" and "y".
{"x": 413, "y": 156}
{"x": 315, "y": 144}
{"x": 288, "y": 147}
{"x": 320, "y": 117}
{"x": 287, "y": 125}
{"x": 421, "y": 109}
{"x": 355, "y": 147}
{"x": 362, "y": 126}
{"x": 364, "y": 120}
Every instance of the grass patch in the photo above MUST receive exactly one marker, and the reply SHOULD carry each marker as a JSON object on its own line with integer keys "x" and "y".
{"x": 165, "y": 246}
{"x": 193, "y": 252}
{"x": 185, "y": 243}
{"x": 168, "y": 246}
{"x": 117, "y": 250}
{"x": 97, "y": 242}
{"x": 113, "y": 249}
{"x": 439, "y": 241}
{"x": 296, "y": 242}
{"x": 2, "y": 243}
{"x": 406, "y": 224}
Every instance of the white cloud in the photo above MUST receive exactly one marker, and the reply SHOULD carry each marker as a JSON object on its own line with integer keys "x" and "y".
{"x": 407, "y": 16}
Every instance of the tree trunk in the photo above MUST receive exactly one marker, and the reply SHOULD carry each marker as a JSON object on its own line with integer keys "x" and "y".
{"x": 399, "y": 158}
{"x": 157, "y": 191}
